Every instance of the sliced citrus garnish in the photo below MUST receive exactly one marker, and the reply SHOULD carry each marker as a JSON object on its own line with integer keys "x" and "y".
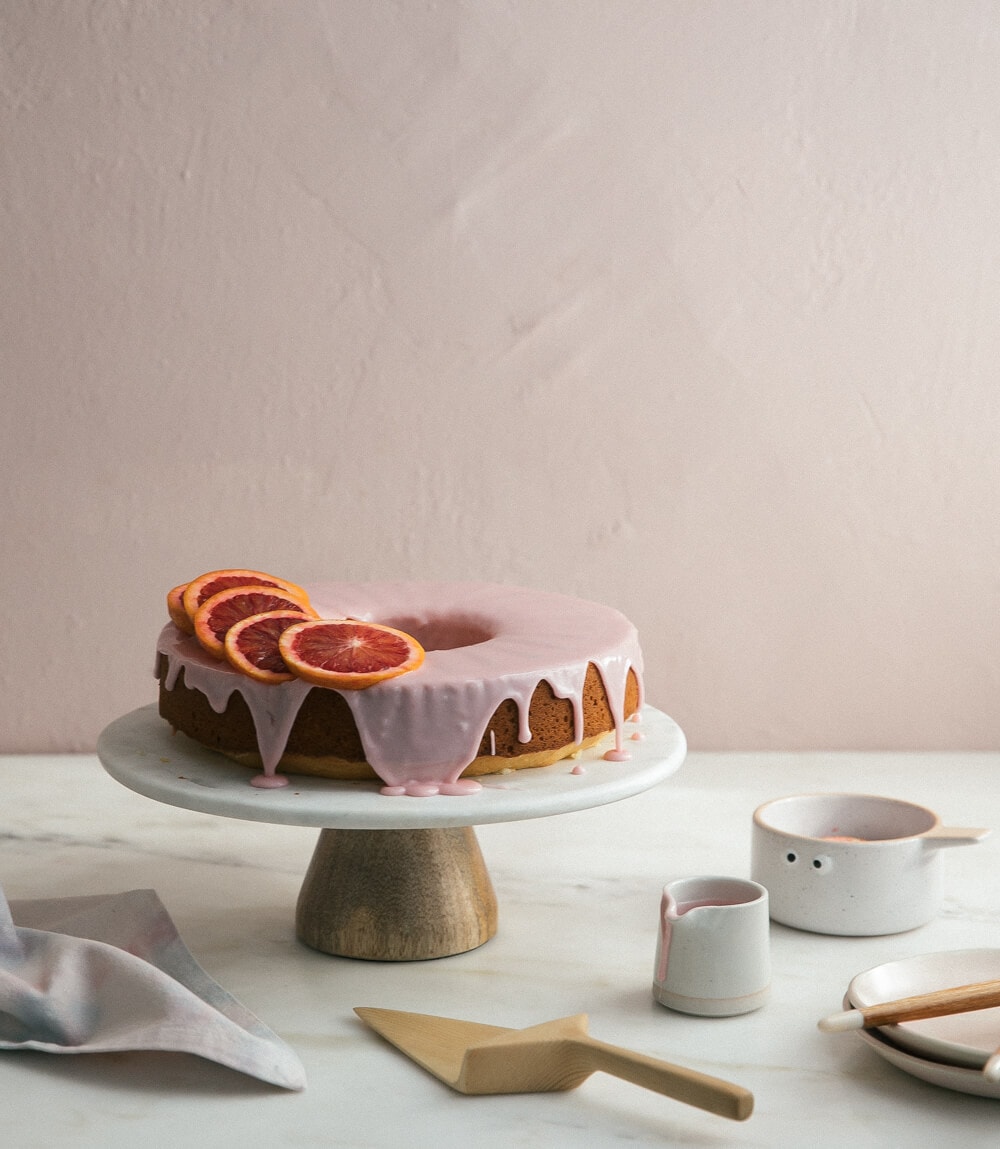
{"x": 347, "y": 654}
{"x": 217, "y": 614}
{"x": 199, "y": 590}
{"x": 175, "y": 605}
{"x": 251, "y": 645}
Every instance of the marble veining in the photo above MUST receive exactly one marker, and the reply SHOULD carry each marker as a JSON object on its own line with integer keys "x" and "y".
{"x": 579, "y": 895}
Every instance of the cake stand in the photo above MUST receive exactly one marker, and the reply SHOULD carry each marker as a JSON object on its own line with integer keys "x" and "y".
{"x": 391, "y": 878}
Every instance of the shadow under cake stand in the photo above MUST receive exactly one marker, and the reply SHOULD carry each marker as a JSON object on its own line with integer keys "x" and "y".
{"x": 391, "y": 878}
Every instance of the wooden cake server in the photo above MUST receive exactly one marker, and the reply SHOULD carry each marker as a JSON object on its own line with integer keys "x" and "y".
{"x": 480, "y": 1059}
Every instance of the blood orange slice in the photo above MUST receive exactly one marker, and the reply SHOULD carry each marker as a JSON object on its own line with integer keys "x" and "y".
{"x": 217, "y": 614}
{"x": 251, "y": 645}
{"x": 175, "y": 605}
{"x": 347, "y": 654}
{"x": 201, "y": 589}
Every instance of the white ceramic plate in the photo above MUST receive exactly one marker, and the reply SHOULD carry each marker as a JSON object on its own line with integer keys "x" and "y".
{"x": 964, "y": 1040}
{"x": 935, "y": 1072}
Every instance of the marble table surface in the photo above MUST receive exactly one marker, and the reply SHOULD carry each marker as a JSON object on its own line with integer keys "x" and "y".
{"x": 579, "y": 896}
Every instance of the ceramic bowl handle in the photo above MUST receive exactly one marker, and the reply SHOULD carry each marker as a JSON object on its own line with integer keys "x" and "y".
{"x": 941, "y": 836}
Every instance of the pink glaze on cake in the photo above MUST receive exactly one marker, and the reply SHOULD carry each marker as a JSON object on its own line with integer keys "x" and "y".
{"x": 485, "y": 643}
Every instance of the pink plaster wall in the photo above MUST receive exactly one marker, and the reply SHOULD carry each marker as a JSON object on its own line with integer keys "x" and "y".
{"x": 689, "y": 306}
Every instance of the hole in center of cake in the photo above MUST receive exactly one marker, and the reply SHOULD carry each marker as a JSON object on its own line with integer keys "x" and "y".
{"x": 446, "y": 633}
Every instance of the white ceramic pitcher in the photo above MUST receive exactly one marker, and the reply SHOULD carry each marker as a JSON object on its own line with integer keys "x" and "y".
{"x": 713, "y": 947}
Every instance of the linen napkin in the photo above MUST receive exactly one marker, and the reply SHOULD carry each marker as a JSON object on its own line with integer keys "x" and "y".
{"x": 110, "y": 973}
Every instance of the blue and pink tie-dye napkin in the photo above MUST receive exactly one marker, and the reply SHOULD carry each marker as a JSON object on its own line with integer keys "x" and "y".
{"x": 110, "y": 973}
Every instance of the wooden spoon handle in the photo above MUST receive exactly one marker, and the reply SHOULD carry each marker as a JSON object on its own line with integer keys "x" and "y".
{"x": 937, "y": 1003}
{"x": 687, "y": 1085}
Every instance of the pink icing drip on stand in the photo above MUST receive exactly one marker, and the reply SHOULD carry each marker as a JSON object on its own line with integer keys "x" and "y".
{"x": 464, "y": 786}
{"x": 269, "y": 781}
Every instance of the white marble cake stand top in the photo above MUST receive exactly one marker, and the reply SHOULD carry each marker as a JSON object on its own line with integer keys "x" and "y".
{"x": 140, "y": 751}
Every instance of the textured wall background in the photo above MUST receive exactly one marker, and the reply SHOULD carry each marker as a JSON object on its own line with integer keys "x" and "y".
{"x": 689, "y": 306}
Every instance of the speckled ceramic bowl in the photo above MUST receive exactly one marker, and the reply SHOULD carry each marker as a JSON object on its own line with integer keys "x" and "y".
{"x": 851, "y": 864}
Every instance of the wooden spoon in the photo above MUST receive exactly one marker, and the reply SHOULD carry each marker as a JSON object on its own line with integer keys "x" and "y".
{"x": 556, "y": 1055}
{"x": 936, "y": 1003}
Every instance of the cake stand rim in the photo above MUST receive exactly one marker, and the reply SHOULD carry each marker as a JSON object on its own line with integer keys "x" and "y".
{"x": 137, "y": 748}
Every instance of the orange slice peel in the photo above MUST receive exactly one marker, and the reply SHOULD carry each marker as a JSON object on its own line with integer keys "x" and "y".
{"x": 175, "y": 608}
{"x": 347, "y": 654}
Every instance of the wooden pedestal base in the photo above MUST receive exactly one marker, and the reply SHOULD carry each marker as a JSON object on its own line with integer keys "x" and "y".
{"x": 396, "y": 895}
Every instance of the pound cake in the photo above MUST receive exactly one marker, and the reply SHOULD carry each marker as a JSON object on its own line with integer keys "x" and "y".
{"x": 498, "y": 677}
